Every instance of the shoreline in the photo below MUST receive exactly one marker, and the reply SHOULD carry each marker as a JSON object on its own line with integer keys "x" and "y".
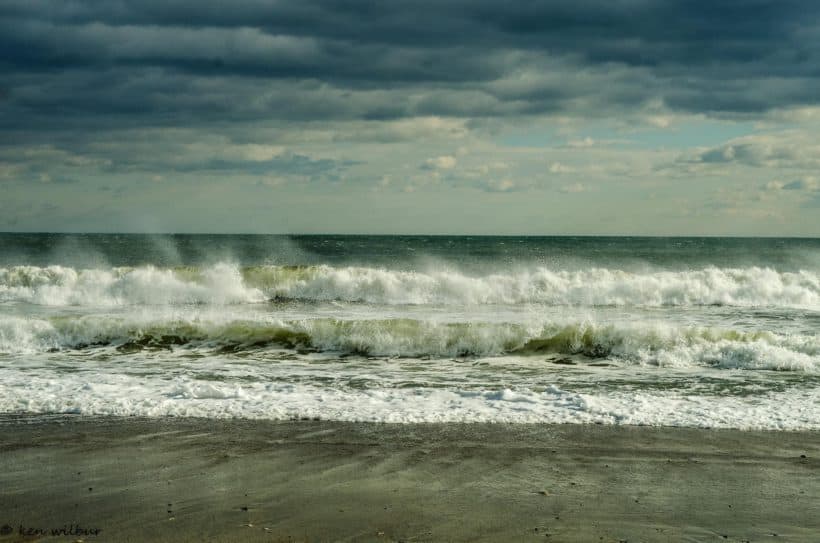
{"x": 178, "y": 479}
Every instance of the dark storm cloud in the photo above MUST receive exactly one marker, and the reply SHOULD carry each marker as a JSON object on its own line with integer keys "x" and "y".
{"x": 76, "y": 64}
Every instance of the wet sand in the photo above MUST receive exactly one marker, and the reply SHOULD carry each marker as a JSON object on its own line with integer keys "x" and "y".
{"x": 204, "y": 480}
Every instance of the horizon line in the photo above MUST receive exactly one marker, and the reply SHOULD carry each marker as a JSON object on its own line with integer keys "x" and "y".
{"x": 298, "y": 234}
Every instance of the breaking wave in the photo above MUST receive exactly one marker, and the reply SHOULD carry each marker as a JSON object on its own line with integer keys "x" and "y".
{"x": 639, "y": 343}
{"x": 230, "y": 284}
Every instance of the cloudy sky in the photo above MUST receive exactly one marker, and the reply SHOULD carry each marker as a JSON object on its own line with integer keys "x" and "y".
{"x": 439, "y": 116}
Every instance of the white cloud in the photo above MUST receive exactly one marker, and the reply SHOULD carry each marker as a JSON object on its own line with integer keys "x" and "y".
{"x": 585, "y": 142}
{"x": 789, "y": 149}
{"x": 773, "y": 185}
{"x": 573, "y": 188}
{"x": 446, "y": 162}
{"x": 557, "y": 167}
{"x": 261, "y": 153}
{"x": 493, "y": 166}
{"x": 501, "y": 185}
{"x": 659, "y": 121}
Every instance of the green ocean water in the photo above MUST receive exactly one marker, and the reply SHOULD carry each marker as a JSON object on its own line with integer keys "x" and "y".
{"x": 402, "y": 252}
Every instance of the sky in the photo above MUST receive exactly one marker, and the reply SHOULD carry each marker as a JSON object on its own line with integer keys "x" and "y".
{"x": 622, "y": 117}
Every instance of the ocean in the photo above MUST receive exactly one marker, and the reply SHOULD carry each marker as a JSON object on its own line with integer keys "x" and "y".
{"x": 698, "y": 332}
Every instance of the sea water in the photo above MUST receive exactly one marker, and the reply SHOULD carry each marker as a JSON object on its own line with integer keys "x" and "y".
{"x": 704, "y": 332}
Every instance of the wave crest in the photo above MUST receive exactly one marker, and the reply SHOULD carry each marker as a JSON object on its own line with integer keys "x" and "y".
{"x": 148, "y": 285}
{"x": 230, "y": 284}
{"x": 639, "y": 343}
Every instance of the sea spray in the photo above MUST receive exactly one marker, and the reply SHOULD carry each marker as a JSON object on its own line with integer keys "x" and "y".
{"x": 226, "y": 283}
{"x": 638, "y": 343}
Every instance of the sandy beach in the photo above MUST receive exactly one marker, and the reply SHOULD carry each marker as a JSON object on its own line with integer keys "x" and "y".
{"x": 116, "y": 479}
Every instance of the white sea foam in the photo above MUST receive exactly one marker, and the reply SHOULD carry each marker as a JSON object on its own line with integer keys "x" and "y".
{"x": 596, "y": 286}
{"x": 123, "y": 395}
{"x": 229, "y": 284}
{"x": 61, "y": 286}
{"x": 642, "y": 343}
